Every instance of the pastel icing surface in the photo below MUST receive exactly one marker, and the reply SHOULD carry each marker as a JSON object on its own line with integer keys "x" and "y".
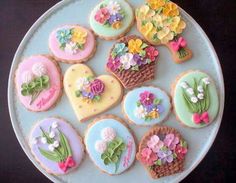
{"x": 109, "y": 31}
{"x": 53, "y": 126}
{"x": 85, "y": 109}
{"x": 130, "y": 105}
{"x": 94, "y": 134}
{"x": 32, "y": 68}
{"x": 196, "y": 119}
{"x": 88, "y": 45}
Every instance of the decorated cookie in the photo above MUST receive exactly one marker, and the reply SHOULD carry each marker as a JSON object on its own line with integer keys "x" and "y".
{"x": 132, "y": 61}
{"x": 162, "y": 151}
{"x": 38, "y": 83}
{"x": 146, "y": 106}
{"x": 195, "y": 99}
{"x": 110, "y": 144}
{"x": 56, "y": 146}
{"x": 160, "y": 22}
{"x": 90, "y": 95}
{"x": 72, "y": 44}
{"x": 111, "y": 19}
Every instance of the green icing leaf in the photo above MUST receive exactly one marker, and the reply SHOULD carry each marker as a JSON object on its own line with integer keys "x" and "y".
{"x": 97, "y": 98}
{"x": 144, "y": 45}
{"x": 182, "y": 53}
{"x": 77, "y": 93}
{"x": 50, "y": 155}
{"x": 188, "y": 103}
{"x": 142, "y": 53}
{"x": 148, "y": 60}
{"x": 144, "y": 22}
{"x": 207, "y": 98}
{"x": 135, "y": 68}
{"x": 138, "y": 103}
{"x": 65, "y": 143}
{"x": 157, "y": 101}
{"x": 155, "y": 37}
{"x": 158, "y": 162}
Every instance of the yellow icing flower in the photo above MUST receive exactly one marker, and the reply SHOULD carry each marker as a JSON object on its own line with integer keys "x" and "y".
{"x": 135, "y": 46}
{"x": 145, "y": 12}
{"x": 171, "y": 9}
{"x": 177, "y": 25}
{"x": 153, "y": 114}
{"x": 156, "y": 4}
{"x": 147, "y": 28}
{"x": 165, "y": 35}
{"x": 116, "y": 25}
{"x": 79, "y": 36}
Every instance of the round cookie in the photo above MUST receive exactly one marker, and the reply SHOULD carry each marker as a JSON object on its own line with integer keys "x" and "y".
{"x": 160, "y": 23}
{"x": 56, "y": 146}
{"x": 195, "y": 99}
{"x": 88, "y": 94}
{"x": 132, "y": 61}
{"x": 162, "y": 151}
{"x": 38, "y": 82}
{"x": 72, "y": 44}
{"x": 146, "y": 106}
{"x": 110, "y": 144}
{"x": 111, "y": 19}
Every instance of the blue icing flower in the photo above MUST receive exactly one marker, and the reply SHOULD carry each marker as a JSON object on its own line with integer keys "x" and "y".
{"x": 119, "y": 49}
{"x": 115, "y": 18}
{"x": 64, "y": 35}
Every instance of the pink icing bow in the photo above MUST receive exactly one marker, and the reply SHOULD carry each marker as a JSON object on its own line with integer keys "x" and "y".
{"x": 69, "y": 163}
{"x": 180, "y": 43}
{"x": 198, "y": 118}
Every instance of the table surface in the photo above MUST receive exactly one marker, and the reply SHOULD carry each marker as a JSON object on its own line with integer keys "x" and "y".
{"x": 214, "y": 16}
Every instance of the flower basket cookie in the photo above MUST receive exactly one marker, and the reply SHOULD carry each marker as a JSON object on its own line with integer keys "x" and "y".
{"x": 195, "y": 99}
{"x": 132, "y": 61}
{"x": 160, "y": 22}
{"x": 162, "y": 151}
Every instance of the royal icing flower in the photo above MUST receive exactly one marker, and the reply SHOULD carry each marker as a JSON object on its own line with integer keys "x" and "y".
{"x": 127, "y": 61}
{"x": 56, "y": 144}
{"x": 206, "y": 81}
{"x": 102, "y": 15}
{"x": 184, "y": 85}
{"x": 146, "y": 98}
{"x": 81, "y": 82}
{"x": 177, "y": 25}
{"x": 54, "y": 124}
{"x": 79, "y": 36}
{"x": 43, "y": 140}
{"x": 148, "y": 157}
{"x": 145, "y": 12}
{"x": 97, "y": 87}
{"x": 27, "y": 77}
{"x": 200, "y": 89}
{"x": 64, "y": 35}
{"x": 156, "y": 4}
{"x": 52, "y": 134}
{"x": 113, "y": 7}
{"x": 200, "y": 96}
{"x": 39, "y": 69}
{"x": 115, "y": 18}
{"x": 71, "y": 48}
{"x": 165, "y": 35}
{"x": 194, "y": 99}
{"x": 119, "y": 49}
{"x": 190, "y": 91}
{"x": 113, "y": 64}
{"x": 181, "y": 151}
{"x": 116, "y": 25}
{"x": 170, "y": 9}
{"x": 51, "y": 147}
{"x": 155, "y": 143}
{"x": 108, "y": 134}
{"x": 165, "y": 155}
{"x": 140, "y": 112}
{"x": 171, "y": 141}
{"x": 147, "y": 29}
{"x": 135, "y": 46}
{"x": 151, "y": 53}
{"x": 100, "y": 146}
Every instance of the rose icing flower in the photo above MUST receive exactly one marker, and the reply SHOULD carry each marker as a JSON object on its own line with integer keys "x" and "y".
{"x": 102, "y": 15}
{"x": 155, "y": 143}
{"x": 181, "y": 151}
{"x": 148, "y": 157}
{"x": 146, "y": 98}
{"x": 97, "y": 87}
{"x": 108, "y": 134}
{"x": 171, "y": 141}
{"x": 151, "y": 52}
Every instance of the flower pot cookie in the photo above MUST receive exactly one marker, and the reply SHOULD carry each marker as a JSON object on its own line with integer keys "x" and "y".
{"x": 162, "y": 151}
{"x": 160, "y": 22}
{"x": 56, "y": 146}
{"x": 146, "y": 106}
{"x": 195, "y": 99}
{"x": 132, "y": 61}
{"x": 110, "y": 144}
{"x": 38, "y": 82}
{"x": 90, "y": 95}
{"x": 72, "y": 44}
{"x": 111, "y": 19}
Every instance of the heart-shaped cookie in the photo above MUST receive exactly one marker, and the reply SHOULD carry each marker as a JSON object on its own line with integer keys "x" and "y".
{"x": 90, "y": 95}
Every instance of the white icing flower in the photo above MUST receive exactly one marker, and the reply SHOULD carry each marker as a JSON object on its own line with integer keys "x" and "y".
{"x": 34, "y": 141}
{"x": 190, "y": 91}
{"x": 108, "y": 134}
{"x": 52, "y": 134}
{"x": 206, "y": 81}
{"x": 54, "y": 124}
{"x": 100, "y": 146}
{"x": 39, "y": 69}
{"x": 55, "y": 144}
{"x": 43, "y": 140}
{"x": 81, "y": 82}
{"x": 200, "y": 89}
{"x": 113, "y": 7}
{"x": 184, "y": 85}
{"x": 194, "y": 99}
{"x": 27, "y": 77}
{"x": 71, "y": 48}
{"x": 127, "y": 61}
{"x": 140, "y": 112}
{"x": 200, "y": 96}
{"x": 51, "y": 147}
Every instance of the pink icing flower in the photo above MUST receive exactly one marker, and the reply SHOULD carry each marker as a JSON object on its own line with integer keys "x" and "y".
{"x": 181, "y": 151}
{"x": 171, "y": 141}
{"x": 102, "y": 15}
{"x": 113, "y": 64}
{"x": 151, "y": 53}
{"x": 155, "y": 143}
{"x": 97, "y": 87}
{"x": 148, "y": 157}
{"x": 146, "y": 98}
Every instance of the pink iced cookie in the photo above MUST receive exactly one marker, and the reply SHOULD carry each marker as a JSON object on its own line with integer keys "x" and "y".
{"x": 38, "y": 83}
{"x": 72, "y": 44}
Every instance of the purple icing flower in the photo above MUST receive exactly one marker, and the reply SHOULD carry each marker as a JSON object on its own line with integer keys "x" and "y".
{"x": 139, "y": 60}
{"x": 97, "y": 87}
{"x": 146, "y": 98}
{"x": 113, "y": 64}
{"x": 150, "y": 107}
{"x": 160, "y": 108}
{"x": 115, "y": 18}
{"x": 165, "y": 155}
{"x": 85, "y": 94}
{"x": 171, "y": 141}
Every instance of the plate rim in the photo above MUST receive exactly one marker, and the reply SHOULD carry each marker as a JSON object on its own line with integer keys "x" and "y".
{"x": 39, "y": 21}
